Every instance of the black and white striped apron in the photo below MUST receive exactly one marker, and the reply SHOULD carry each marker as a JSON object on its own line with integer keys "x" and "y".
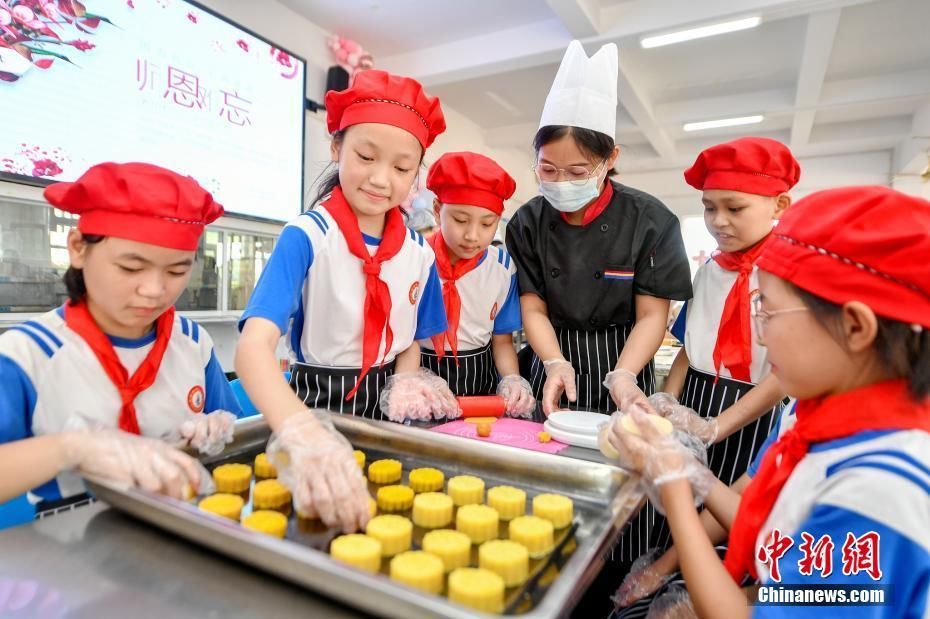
{"x": 474, "y": 374}
{"x": 326, "y": 387}
{"x": 728, "y": 459}
{"x": 592, "y": 354}
{"x": 47, "y": 509}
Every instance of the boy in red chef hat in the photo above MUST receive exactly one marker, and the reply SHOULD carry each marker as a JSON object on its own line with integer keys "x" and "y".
{"x": 479, "y": 283}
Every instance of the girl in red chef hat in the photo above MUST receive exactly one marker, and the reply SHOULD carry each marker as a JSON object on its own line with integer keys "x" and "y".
{"x": 351, "y": 289}
{"x": 479, "y": 283}
{"x": 115, "y": 363}
{"x": 842, "y": 497}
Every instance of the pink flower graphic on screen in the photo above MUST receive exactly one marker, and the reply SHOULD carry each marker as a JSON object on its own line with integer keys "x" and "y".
{"x": 36, "y": 161}
{"x": 46, "y": 167}
{"x": 288, "y": 65}
{"x": 192, "y": 18}
{"x": 37, "y": 33}
{"x": 242, "y": 45}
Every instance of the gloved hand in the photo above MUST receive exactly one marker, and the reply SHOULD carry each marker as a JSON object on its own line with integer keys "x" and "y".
{"x": 518, "y": 394}
{"x": 316, "y": 463}
{"x": 560, "y": 378}
{"x": 642, "y": 580}
{"x": 659, "y": 459}
{"x": 684, "y": 418}
{"x": 136, "y": 460}
{"x": 418, "y": 396}
{"x": 625, "y": 391}
{"x": 208, "y": 433}
{"x": 673, "y": 604}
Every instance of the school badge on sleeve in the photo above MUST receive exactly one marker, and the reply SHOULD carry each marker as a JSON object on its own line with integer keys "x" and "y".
{"x": 414, "y": 293}
{"x": 196, "y": 399}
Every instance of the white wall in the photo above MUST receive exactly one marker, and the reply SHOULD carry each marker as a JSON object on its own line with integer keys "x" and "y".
{"x": 872, "y": 168}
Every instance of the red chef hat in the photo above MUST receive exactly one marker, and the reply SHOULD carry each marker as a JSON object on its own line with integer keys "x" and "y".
{"x": 140, "y": 202}
{"x": 867, "y": 244}
{"x": 379, "y": 97}
{"x": 472, "y": 179}
{"x": 752, "y": 165}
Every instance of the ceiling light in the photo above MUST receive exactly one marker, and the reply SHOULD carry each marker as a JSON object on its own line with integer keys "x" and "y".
{"x": 723, "y": 122}
{"x": 699, "y": 33}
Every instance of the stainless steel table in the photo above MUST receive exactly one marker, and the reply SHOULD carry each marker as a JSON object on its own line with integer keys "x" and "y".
{"x": 97, "y": 562}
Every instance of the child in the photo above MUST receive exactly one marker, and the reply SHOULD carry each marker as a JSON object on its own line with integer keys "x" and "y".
{"x": 721, "y": 371}
{"x": 116, "y": 355}
{"x": 479, "y": 285}
{"x": 353, "y": 290}
{"x": 843, "y": 310}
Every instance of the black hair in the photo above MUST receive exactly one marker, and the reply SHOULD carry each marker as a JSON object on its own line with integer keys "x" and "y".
{"x": 903, "y": 350}
{"x": 594, "y": 144}
{"x": 330, "y": 175}
{"x": 74, "y": 277}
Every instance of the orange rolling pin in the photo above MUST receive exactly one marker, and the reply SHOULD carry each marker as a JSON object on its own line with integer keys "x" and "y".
{"x": 482, "y": 406}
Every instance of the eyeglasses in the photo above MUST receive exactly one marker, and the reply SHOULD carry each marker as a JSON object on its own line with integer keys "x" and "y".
{"x": 761, "y": 317}
{"x": 576, "y": 174}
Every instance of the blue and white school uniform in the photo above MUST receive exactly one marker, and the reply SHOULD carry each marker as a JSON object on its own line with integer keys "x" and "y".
{"x": 51, "y": 380}
{"x": 871, "y": 481}
{"x": 313, "y": 290}
{"x": 490, "y": 306}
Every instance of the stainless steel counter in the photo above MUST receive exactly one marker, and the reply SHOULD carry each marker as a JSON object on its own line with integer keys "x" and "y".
{"x": 97, "y": 562}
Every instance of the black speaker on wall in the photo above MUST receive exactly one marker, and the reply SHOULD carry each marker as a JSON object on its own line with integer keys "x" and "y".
{"x": 337, "y": 78}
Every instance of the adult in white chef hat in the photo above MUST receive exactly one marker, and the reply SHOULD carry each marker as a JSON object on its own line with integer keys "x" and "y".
{"x": 598, "y": 262}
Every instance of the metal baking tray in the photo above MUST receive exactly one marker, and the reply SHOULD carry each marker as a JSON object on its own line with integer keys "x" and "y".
{"x": 604, "y": 499}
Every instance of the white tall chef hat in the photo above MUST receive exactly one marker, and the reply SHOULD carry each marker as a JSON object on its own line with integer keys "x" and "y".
{"x": 584, "y": 92}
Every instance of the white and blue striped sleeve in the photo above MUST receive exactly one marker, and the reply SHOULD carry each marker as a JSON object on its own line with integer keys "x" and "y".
{"x": 508, "y": 317}
{"x": 277, "y": 295}
{"x": 883, "y": 492}
{"x": 17, "y": 401}
{"x": 431, "y": 313}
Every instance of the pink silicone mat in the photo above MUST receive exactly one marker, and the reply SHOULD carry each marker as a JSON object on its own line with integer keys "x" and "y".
{"x": 505, "y": 431}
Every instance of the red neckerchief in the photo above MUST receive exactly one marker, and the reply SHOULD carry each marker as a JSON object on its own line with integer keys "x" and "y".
{"x": 79, "y": 320}
{"x": 377, "y": 309}
{"x": 449, "y": 273}
{"x": 595, "y": 208}
{"x": 882, "y": 406}
{"x": 733, "y": 348}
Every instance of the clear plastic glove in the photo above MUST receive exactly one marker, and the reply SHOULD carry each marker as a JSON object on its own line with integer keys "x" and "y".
{"x": 673, "y": 604}
{"x": 316, "y": 463}
{"x": 418, "y": 396}
{"x": 560, "y": 378}
{"x": 625, "y": 391}
{"x": 659, "y": 459}
{"x": 518, "y": 394}
{"x": 135, "y": 460}
{"x": 209, "y": 434}
{"x": 642, "y": 580}
{"x": 684, "y": 418}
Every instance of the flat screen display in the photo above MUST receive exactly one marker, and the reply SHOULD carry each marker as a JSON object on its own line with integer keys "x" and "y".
{"x": 162, "y": 81}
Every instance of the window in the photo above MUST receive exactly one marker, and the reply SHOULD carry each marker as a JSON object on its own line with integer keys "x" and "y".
{"x": 34, "y": 257}
{"x": 248, "y": 255}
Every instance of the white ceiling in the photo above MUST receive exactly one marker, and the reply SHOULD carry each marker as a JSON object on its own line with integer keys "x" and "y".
{"x": 831, "y": 76}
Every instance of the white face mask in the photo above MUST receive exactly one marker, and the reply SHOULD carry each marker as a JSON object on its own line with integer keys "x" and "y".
{"x": 569, "y": 197}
